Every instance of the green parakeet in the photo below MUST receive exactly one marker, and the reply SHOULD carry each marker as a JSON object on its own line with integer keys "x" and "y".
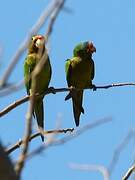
{"x": 36, "y": 51}
{"x": 79, "y": 74}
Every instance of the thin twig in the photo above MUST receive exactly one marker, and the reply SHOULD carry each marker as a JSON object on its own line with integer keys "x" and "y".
{"x": 14, "y": 105}
{"x": 11, "y": 88}
{"x": 26, "y": 98}
{"x": 20, "y": 142}
{"x": 129, "y": 172}
{"x": 90, "y": 167}
{"x": 61, "y": 141}
{"x": 119, "y": 149}
{"x": 53, "y": 17}
{"x": 57, "y": 131}
{"x": 115, "y": 85}
{"x": 58, "y": 90}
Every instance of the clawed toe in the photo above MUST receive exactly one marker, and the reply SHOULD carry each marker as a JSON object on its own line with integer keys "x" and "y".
{"x": 52, "y": 89}
{"x": 94, "y": 87}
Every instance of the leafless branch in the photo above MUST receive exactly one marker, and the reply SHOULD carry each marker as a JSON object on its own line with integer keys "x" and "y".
{"x": 14, "y": 105}
{"x": 129, "y": 172}
{"x": 115, "y": 85}
{"x": 54, "y": 16}
{"x": 20, "y": 163}
{"x": 40, "y": 22}
{"x": 61, "y": 141}
{"x": 20, "y": 142}
{"x": 57, "y": 6}
{"x": 90, "y": 167}
{"x": 119, "y": 149}
{"x": 11, "y": 88}
{"x": 58, "y": 90}
{"x": 115, "y": 158}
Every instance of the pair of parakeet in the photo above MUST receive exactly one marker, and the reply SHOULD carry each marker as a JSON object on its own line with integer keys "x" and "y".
{"x": 79, "y": 75}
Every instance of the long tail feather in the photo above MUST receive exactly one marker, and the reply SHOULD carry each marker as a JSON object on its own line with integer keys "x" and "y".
{"x": 77, "y": 99}
{"x": 39, "y": 112}
{"x": 68, "y": 97}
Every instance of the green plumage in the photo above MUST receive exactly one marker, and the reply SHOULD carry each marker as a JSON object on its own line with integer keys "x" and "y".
{"x": 36, "y": 52}
{"x": 79, "y": 74}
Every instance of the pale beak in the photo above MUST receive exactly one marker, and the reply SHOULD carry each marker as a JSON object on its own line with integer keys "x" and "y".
{"x": 39, "y": 43}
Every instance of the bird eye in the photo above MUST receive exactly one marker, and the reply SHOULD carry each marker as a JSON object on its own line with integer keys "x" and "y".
{"x": 33, "y": 39}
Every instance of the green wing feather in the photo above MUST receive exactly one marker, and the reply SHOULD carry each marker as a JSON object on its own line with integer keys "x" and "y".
{"x": 68, "y": 69}
{"x": 29, "y": 65}
{"x": 27, "y": 77}
{"x": 93, "y": 69}
{"x": 42, "y": 84}
{"x": 77, "y": 97}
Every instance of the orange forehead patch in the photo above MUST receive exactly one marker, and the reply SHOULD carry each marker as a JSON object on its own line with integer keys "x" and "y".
{"x": 38, "y": 37}
{"x": 91, "y": 47}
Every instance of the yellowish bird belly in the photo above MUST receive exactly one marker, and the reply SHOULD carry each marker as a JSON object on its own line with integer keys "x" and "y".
{"x": 42, "y": 81}
{"x": 81, "y": 76}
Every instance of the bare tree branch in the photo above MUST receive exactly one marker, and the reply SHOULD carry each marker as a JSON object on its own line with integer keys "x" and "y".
{"x": 129, "y": 172}
{"x": 20, "y": 142}
{"x": 11, "y": 88}
{"x": 14, "y": 105}
{"x": 115, "y": 85}
{"x": 40, "y": 22}
{"x": 61, "y": 141}
{"x": 58, "y": 90}
{"x": 21, "y": 161}
{"x": 119, "y": 149}
{"x": 90, "y": 167}
{"x": 54, "y": 16}
{"x": 114, "y": 160}
{"x": 15, "y": 87}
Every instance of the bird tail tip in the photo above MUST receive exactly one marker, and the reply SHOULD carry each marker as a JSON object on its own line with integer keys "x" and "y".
{"x": 68, "y": 97}
{"x": 42, "y": 138}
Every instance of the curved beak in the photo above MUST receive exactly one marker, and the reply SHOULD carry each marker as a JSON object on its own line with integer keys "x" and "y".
{"x": 91, "y": 47}
{"x": 40, "y": 42}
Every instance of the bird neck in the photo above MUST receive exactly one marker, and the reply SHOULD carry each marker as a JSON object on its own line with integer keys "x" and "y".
{"x": 36, "y": 50}
{"x": 85, "y": 56}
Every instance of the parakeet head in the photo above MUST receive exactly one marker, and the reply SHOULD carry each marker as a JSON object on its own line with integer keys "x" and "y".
{"x": 37, "y": 43}
{"x": 84, "y": 48}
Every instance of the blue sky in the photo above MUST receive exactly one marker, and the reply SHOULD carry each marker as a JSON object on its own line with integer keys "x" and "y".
{"x": 111, "y": 26}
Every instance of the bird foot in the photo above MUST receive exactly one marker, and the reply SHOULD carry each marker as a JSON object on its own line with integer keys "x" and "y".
{"x": 52, "y": 90}
{"x": 72, "y": 89}
{"x": 94, "y": 87}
